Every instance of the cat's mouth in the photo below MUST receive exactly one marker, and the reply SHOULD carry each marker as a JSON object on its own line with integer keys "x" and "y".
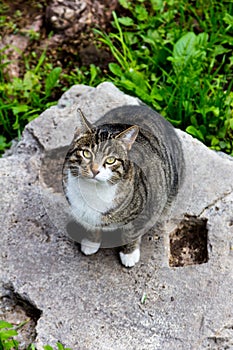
{"x": 94, "y": 179}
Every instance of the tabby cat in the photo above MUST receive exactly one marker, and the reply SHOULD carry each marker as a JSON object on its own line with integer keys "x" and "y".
{"x": 120, "y": 175}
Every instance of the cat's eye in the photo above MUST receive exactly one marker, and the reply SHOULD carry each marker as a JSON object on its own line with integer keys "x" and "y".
{"x": 110, "y": 160}
{"x": 86, "y": 154}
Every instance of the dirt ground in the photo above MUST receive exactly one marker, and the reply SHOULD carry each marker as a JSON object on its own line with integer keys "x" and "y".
{"x": 64, "y": 28}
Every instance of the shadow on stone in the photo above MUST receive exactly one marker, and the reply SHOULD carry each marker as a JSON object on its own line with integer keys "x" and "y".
{"x": 51, "y": 169}
{"x": 109, "y": 239}
{"x": 188, "y": 242}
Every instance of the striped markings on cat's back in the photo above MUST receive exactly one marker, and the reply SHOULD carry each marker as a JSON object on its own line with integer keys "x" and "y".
{"x": 122, "y": 176}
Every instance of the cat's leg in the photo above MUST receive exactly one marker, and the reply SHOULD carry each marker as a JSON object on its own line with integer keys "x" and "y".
{"x": 91, "y": 244}
{"x": 130, "y": 253}
{"x": 89, "y": 247}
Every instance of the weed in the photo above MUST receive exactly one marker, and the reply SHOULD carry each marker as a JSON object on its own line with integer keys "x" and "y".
{"x": 8, "y": 333}
{"x": 84, "y": 75}
{"x": 175, "y": 55}
{"x": 165, "y": 55}
{"x": 23, "y": 98}
{"x": 6, "y": 336}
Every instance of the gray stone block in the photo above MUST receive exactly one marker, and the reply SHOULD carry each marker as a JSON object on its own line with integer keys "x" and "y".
{"x": 93, "y": 302}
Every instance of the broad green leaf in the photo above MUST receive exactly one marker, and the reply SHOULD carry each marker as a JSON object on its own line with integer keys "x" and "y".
{"x": 4, "y": 324}
{"x": 125, "y": 3}
{"x": 187, "y": 58}
{"x": 220, "y": 50}
{"x": 214, "y": 141}
{"x": 130, "y": 38}
{"x": 222, "y": 144}
{"x": 141, "y": 12}
{"x": 195, "y": 132}
{"x": 185, "y": 46}
{"x": 17, "y": 85}
{"x": 48, "y": 347}
{"x": 138, "y": 79}
{"x": 115, "y": 69}
{"x": 155, "y": 94}
{"x": 174, "y": 122}
{"x": 157, "y": 97}
{"x": 4, "y": 335}
{"x": 142, "y": 94}
{"x": 127, "y": 84}
{"x": 10, "y": 345}
{"x": 30, "y": 80}
{"x": 228, "y": 19}
{"x": 60, "y": 346}
{"x": 52, "y": 79}
{"x": 202, "y": 39}
{"x": 126, "y": 21}
{"x": 157, "y": 4}
{"x": 154, "y": 35}
{"x": 215, "y": 110}
{"x": 148, "y": 40}
{"x": 20, "y": 109}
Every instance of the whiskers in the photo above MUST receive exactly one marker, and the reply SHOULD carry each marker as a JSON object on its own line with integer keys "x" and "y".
{"x": 114, "y": 179}
{"x": 86, "y": 172}
{"x": 111, "y": 181}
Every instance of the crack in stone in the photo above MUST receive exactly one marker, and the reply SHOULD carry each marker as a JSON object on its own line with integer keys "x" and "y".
{"x": 224, "y": 195}
{"x": 31, "y": 134}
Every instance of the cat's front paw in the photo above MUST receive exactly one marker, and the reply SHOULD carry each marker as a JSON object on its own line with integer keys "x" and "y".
{"x": 88, "y": 247}
{"x": 129, "y": 260}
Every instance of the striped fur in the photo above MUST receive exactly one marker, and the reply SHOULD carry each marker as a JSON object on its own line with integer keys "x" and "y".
{"x": 140, "y": 184}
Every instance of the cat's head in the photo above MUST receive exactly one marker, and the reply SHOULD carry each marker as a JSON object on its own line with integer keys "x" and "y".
{"x": 100, "y": 154}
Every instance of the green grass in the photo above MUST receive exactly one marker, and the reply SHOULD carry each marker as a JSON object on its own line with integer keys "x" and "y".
{"x": 23, "y": 98}
{"x": 8, "y": 335}
{"x": 175, "y": 55}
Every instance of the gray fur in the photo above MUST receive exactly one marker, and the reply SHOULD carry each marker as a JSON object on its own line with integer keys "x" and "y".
{"x": 148, "y": 177}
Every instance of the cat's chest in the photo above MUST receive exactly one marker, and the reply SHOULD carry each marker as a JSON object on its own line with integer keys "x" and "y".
{"x": 89, "y": 200}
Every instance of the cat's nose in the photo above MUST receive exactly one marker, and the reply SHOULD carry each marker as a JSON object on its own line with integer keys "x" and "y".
{"x": 95, "y": 171}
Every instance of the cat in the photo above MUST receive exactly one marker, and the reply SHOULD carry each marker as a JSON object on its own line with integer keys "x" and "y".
{"x": 120, "y": 175}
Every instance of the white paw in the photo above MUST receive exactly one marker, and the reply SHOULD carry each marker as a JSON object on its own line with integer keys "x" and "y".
{"x": 88, "y": 247}
{"x": 131, "y": 259}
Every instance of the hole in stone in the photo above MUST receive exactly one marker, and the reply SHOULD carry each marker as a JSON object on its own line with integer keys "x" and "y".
{"x": 16, "y": 309}
{"x": 188, "y": 242}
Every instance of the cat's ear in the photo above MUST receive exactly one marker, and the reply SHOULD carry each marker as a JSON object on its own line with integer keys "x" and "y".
{"x": 128, "y": 136}
{"x": 84, "y": 123}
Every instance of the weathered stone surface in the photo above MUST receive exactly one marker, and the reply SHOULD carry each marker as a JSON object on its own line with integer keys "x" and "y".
{"x": 93, "y": 302}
